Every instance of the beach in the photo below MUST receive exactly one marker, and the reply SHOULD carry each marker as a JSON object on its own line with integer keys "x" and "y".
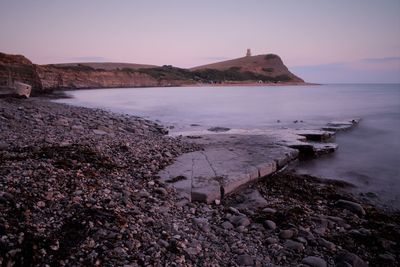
{"x": 79, "y": 186}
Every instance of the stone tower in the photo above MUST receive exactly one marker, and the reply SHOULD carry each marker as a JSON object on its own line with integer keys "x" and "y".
{"x": 248, "y": 53}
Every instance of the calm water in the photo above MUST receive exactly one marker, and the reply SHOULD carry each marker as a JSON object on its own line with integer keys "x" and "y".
{"x": 369, "y": 155}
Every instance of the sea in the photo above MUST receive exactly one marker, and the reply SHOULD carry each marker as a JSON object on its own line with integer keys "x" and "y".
{"x": 368, "y": 155}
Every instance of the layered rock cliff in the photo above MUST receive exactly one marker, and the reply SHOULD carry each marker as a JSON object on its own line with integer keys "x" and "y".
{"x": 19, "y": 68}
{"x": 262, "y": 68}
{"x": 269, "y": 65}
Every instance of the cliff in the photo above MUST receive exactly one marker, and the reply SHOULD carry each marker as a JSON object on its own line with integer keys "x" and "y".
{"x": 19, "y": 68}
{"x": 269, "y": 65}
{"x": 262, "y": 68}
{"x": 56, "y": 77}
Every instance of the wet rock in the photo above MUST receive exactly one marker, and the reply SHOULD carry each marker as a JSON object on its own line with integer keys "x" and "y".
{"x": 41, "y": 204}
{"x": 349, "y": 259}
{"x": 5, "y": 196}
{"x": 77, "y": 127}
{"x": 99, "y": 132}
{"x": 227, "y": 225}
{"x": 218, "y": 129}
{"x": 351, "y": 206}
{"x": 327, "y": 244}
{"x": 314, "y": 261}
{"x": 296, "y": 246}
{"x": 245, "y": 260}
{"x": 144, "y": 194}
{"x": 251, "y": 199}
{"x": 3, "y": 146}
{"x": 270, "y": 225}
{"x": 271, "y": 240}
{"x": 387, "y": 258}
{"x": 240, "y": 220}
{"x": 286, "y": 234}
{"x": 161, "y": 191}
{"x": 269, "y": 210}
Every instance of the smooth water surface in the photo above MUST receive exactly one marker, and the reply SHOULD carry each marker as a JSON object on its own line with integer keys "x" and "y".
{"x": 369, "y": 155}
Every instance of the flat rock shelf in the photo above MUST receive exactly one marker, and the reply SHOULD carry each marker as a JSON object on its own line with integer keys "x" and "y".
{"x": 230, "y": 160}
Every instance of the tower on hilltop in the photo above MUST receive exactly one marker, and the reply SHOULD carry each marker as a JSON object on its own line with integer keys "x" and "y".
{"x": 248, "y": 53}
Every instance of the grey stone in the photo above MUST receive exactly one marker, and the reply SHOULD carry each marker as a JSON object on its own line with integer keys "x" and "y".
{"x": 218, "y": 129}
{"x": 327, "y": 244}
{"x": 350, "y": 259}
{"x": 270, "y": 225}
{"x": 245, "y": 260}
{"x": 161, "y": 191}
{"x": 251, "y": 199}
{"x": 271, "y": 240}
{"x": 99, "y": 132}
{"x": 296, "y": 246}
{"x": 387, "y": 258}
{"x": 269, "y": 210}
{"x": 227, "y": 225}
{"x": 240, "y": 220}
{"x": 3, "y": 145}
{"x": 144, "y": 194}
{"x": 351, "y": 206}
{"x": 77, "y": 127}
{"x": 314, "y": 261}
{"x": 286, "y": 234}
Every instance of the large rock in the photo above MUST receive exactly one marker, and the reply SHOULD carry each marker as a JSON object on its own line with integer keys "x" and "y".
{"x": 349, "y": 259}
{"x": 351, "y": 206}
{"x": 314, "y": 261}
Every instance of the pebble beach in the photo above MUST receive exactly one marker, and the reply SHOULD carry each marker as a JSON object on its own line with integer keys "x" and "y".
{"x": 79, "y": 187}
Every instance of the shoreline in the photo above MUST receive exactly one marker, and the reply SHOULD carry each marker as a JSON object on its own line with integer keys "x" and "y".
{"x": 94, "y": 174}
{"x": 252, "y": 84}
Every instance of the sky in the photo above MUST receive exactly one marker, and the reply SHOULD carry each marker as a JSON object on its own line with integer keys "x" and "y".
{"x": 326, "y": 41}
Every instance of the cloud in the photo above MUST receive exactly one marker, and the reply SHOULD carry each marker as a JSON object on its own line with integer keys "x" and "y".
{"x": 366, "y": 70}
{"x": 87, "y": 59}
{"x": 216, "y": 58}
{"x": 381, "y": 60}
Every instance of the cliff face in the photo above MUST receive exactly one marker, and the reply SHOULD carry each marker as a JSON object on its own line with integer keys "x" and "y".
{"x": 19, "y": 68}
{"x": 264, "y": 68}
{"x": 66, "y": 78}
{"x": 269, "y": 65}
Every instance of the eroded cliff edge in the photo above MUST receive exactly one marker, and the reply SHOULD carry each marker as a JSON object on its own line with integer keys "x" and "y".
{"x": 261, "y": 69}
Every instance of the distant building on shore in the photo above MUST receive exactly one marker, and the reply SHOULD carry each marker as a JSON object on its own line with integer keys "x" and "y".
{"x": 248, "y": 53}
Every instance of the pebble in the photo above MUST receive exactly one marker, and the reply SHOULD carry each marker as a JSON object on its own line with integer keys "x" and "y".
{"x": 99, "y": 132}
{"x": 351, "y": 206}
{"x": 296, "y": 246}
{"x": 161, "y": 191}
{"x": 271, "y": 240}
{"x": 350, "y": 259}
{"x": 327, "y": 244}
{"x": 270, "y": 225}
{"x": 286, "y": 234}
{"x": 239, "y": 220}
{"x": 144, "y": 194}
{"x": 102, "y": 193}
{"x": 269, "y": 210}
{"x": 387, "y": 258}
{"x": 314, "y": 261}
{"x": 245, "y": 260}
{"x": 3, "y": 146}
{"x": 227, "y": 225}
{"x": 41, "y": 204}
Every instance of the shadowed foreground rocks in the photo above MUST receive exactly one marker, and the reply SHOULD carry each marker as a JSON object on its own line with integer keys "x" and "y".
{"x": 78, "y": 187}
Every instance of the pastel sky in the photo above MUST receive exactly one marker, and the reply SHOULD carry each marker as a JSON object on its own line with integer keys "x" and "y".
{"x": 320, "y": 40}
